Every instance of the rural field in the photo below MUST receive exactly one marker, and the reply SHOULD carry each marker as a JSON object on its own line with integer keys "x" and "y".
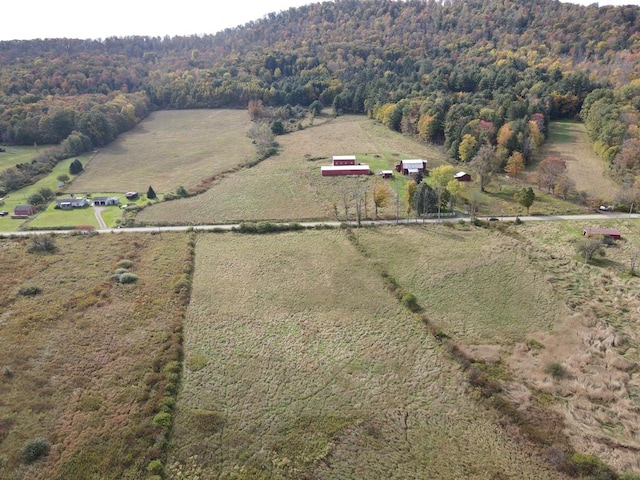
{"x": 569, "y": 141}
{"x": 289, "y": 186}
{"x": 299, "y": 363}
{"x": 87, "y": 374}
{"x": 170, "y": 149}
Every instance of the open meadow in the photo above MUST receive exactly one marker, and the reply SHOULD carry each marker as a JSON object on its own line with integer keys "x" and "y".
{"x": 569, "y": 141}
{"x": 289, "y": 186}
{"x": 87, "y": 361}
{"x": 299, "y": 363}
{"x": 170, "y": 149}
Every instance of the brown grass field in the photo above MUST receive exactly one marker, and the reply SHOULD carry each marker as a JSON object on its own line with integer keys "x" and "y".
{"x": 300, "y": 364}
{"x": 85, "y": 361}
{"x": 168, "y": 150}
{"x": 569, "y": 141}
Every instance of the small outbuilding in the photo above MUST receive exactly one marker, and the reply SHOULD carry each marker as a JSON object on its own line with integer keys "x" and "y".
{"x": 386, "y": 174}
{"x": 605, "y": 232}
{"x": 72, "y": 202}
{"x": 24, "y": 210}
{"x": 131, "y": 195}
{"x": 344, "y": 160}
{"x": 462, "y": 177}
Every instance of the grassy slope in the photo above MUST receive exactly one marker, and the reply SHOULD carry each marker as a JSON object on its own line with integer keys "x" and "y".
{"x": 569, "y": 141}
{"x": 83, "y": 366}
{"x": 289, "y": 186}
{"x": 168, "y": 150}
{"x": 300, "y": 363}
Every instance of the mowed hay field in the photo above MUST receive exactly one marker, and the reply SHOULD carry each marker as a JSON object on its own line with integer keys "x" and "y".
{"x": 569, "y": 141}
{"x": 85, "y": 360}
{"x": 170, "y": 149}
{"x": 299, "y": 363}
{"x": 289, "y": 186}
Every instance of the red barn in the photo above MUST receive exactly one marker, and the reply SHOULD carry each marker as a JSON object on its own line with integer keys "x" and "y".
{"x": 609, "y": 232}
{"x": 24, "y": 210}
{"x": 333, "y": 170}
{"x": 462, "y": 177}
{"x": 408, "y": 167}
{"x": 344, "y": 160}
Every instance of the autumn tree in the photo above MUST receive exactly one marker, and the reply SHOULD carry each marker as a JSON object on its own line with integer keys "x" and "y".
{"x": 550, "y": 171}
{"x": 440, "y": 179}
{"x": 409, "y": 192}
{"x": 485, "y": 163}
{"x": 380, "y": 192}
{"x": 256, "y": 109}
{"x": 467, "y": 148}
{"x": 515, "y": 164}
{"x": 525, "y": 196}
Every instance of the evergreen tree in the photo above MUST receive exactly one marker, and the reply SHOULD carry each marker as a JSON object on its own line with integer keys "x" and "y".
{"x": 151, "y": 194}
{"x": 75, "y": 167}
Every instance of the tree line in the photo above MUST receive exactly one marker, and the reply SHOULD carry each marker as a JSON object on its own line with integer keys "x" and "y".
{"x": 460, "y": 74}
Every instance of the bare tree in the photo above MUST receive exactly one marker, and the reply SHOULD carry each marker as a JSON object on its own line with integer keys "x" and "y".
{"x": 485, "y": 163}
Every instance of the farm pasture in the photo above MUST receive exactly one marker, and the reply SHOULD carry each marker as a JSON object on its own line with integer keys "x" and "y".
{"x": 300, "y": 364}
{"x": 170, "y": 149}
{"x": 289, "y": 186}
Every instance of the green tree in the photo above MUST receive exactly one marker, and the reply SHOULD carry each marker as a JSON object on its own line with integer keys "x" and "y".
{"x": 425, "y": 200}
{"x": 151, "y": 194}
{"x": 64, "y": 178}
{"x": 525, "y": 196}
{"x": 277, "y": 127}
{"x": 410, "y": 191}
{"x": 75, "y": 167}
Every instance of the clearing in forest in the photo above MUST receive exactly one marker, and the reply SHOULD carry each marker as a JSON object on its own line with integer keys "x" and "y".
{"x": 569, "y": 141}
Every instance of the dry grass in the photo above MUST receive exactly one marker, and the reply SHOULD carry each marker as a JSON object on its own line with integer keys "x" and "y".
{"x": 289, "y": 186}
{"x": 82, "y": 353}
{"x": 569, "y": 141}
{"x": 306, "y": 367}
{"x": 170, "y": 149}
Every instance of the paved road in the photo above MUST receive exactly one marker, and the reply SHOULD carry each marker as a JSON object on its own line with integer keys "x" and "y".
{"x": 229, "y": 227}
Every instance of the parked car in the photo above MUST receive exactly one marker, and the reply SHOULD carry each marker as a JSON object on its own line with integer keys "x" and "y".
{"x": 4, "y": 213}
{"x": 606, "y": 208}
{"x": 494, "y": 219}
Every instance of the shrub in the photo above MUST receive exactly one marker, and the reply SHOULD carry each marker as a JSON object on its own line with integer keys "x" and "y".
{"x": 42, "y": 243}
{"x": 162, "y": 420}
{"x": 409, "y": 300}
{"x": 125, "y": 277}
{"x": 591, "y": 466}
{"x": 555, "y": 369}
{"x": 125, "y": 263}
{"x": 29, "y": 291}
{"x": 34, "y": 449}
{"x": 533, "y": 344}
{"x": 155, "y": 466}
{"x": 7, "y": 372}
{"x": 120, "y": 271}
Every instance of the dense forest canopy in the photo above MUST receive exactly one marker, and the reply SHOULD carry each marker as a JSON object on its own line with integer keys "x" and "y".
{"x": 459, "y": 73}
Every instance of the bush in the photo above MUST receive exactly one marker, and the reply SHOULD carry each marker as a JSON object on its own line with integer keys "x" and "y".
{"x": 125, "y": 263}
{"x": 162, "y": 420}
{"x": 125, "y": 277}
{"x": 30, "y": 291}
{"x": 591, "y": 466}
{"x": 34, "y": 449}
{"x": 409, "y": 300}
{"x": 155, "y": 466}
{"x": 42, "y": 243}
{"x": 555, "y": 369}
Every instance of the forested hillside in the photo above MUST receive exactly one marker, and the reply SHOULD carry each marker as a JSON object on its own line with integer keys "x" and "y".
{"x": 458, "y": 73}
